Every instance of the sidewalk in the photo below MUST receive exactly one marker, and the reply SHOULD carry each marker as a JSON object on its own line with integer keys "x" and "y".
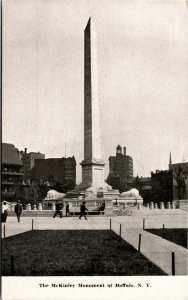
{"x": 156, "y": 249}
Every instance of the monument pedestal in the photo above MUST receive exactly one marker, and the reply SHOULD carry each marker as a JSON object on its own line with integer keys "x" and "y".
{"x": 92, "y": 174}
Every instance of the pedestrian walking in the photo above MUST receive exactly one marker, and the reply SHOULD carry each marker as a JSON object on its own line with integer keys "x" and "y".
{"x": 58, "y": 210}
{"x": 102, "y": 207}
{"x": 18, "y": 210}
{"x": 83, "y": 211}
{"x": 67, "y": 209}
{"x": 4, "y": 211}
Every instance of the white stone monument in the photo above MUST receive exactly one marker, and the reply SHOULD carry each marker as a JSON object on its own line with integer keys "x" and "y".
{"x": 92, "y": 165}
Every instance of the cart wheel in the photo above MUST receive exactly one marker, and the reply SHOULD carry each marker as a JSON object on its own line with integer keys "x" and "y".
{"x": 119, "y": 213}
{"x": 129, "y": 212}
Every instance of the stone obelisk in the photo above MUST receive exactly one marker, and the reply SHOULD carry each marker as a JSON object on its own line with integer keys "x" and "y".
{"x": 92, "y": 165}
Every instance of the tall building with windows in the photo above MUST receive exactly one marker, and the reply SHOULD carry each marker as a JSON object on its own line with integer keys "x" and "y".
{"x": 55, "y": 171}
{"x": 28, "y": 160}
{"x": 11, "y": 175}
{"x": 121, "y": 164}
{"x": 120, "y": 169}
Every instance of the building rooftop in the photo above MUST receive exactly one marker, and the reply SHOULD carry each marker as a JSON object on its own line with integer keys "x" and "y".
{"x": 181, "y": 164}
{"x": 35, "y": 153}
{"x": 118, "y": 147}
{"x": 10, "y": 155}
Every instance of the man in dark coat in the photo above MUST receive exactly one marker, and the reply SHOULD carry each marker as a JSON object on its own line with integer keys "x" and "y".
{"x": 58, "y": 210}
{"x": 67, "y": 209}
{"x": 83, "y": 211}
{"x": 18, "y": 210}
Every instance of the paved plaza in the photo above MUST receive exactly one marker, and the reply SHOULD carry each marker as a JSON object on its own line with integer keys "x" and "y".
{"x": 155, "y": 248}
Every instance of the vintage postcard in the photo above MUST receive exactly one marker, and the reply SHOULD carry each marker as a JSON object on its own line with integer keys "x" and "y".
{"x": 94, "y": 149}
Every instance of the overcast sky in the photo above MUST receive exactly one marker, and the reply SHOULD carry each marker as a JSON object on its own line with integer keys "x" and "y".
{"x": 142, "y": 74}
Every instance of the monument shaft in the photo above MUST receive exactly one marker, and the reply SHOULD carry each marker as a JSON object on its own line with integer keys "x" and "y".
{"x": 92, "y": 143}
{"x": 92, "y": 165}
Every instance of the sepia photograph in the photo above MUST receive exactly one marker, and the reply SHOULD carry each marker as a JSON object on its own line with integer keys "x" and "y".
{"x": 94, "y": 155}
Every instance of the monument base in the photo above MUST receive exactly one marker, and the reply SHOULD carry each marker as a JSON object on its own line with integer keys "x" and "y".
{"x": 94, "y": 201}
{"x": 92, "y": 175}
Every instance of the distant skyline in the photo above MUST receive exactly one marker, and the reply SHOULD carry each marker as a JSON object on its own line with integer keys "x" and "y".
{"x": 142, "y": 76}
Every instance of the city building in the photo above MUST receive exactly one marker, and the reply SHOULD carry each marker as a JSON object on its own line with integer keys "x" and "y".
{"x": 11, "y": 175}
{"x": 180, "y": 179}
{"x": 120, "y": 169}
{"x": 55, "y": 172}
{"x": 143, "y": 185}
{"x": 28, "y": 160}
{"x": 182, "y": 165}
{"x": 162, "y": 186}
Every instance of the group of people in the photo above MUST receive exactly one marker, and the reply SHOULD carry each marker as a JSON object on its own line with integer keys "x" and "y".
{"x": 18, "y": 210}
{"x": 59, "y": 212}
{"x": 5, "y": 209}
